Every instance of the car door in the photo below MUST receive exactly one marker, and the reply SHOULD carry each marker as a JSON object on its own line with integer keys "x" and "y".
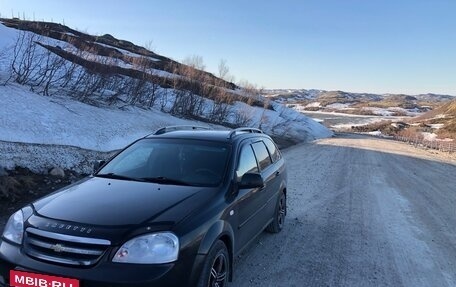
{"x": 271, "y": 183}
{"x": 278, "y": 173}
{"x": 248, "y": 200}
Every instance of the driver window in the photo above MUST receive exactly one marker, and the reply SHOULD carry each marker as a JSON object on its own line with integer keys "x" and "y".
{"x": 247, "y": 162}
{"x": 135, "y": 159}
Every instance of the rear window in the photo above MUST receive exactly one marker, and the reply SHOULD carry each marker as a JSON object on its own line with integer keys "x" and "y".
{"x": 273, "y": 151}
{"x": 262, "y": 155}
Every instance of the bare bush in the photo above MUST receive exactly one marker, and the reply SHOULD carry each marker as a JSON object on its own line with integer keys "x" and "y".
{"x": 25, "y": 58}
{"x": 50, "y": 74}
{"x": 9, "y": 187}
{"x": 191, "y": 88}
{"x": 220, "y": 108}
{"x": 242, "y": 117}
{"x": 263, "y": 119}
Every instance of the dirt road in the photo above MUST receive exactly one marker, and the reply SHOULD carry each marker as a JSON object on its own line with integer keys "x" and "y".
{"x": 362, "y": 212}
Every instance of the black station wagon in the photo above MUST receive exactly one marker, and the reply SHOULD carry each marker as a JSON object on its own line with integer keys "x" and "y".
{"x": 171, "y": 209}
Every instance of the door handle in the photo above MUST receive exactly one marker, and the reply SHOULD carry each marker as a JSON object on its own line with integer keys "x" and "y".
{"x": 277, "y": 173}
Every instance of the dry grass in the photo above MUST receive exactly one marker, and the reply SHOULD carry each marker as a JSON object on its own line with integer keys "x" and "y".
{"x": 384, "y": 126}
{"x": 9, "y": 187}
{"x": 312, "y": 109}
{"x": 449, "y": 130}
{"x": 27, "y": 181}
{"x": 399, "y": 114}
{"x": 13, "y": 188}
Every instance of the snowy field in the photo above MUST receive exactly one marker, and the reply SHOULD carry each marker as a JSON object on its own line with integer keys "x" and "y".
{"x": 30, "y": 118}
{"x": 341, "y": 121}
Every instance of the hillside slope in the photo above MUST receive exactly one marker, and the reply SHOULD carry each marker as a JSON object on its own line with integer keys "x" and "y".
{"x": 65, "y": 92}
{"x": 444, "y": 117}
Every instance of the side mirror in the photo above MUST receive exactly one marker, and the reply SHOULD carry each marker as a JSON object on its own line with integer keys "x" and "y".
{"x": 97, "y": 164}
{"x": 251, "y": 180}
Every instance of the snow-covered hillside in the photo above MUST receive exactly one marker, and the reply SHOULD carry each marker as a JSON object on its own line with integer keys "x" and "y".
{"x": 27, "y": 117}
{"x": 31, "y": 118}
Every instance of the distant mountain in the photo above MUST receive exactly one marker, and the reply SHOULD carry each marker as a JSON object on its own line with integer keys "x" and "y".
{"x": 357, "y": 103}
{"x": 303, "y": 95}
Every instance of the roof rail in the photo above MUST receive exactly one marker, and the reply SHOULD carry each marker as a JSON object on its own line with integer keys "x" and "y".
{"x": 246, "y": 130}
{"x": 165, "y": 130}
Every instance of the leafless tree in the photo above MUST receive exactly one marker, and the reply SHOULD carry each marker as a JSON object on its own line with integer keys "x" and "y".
{"x": 55, "y": 65}
{"x": 241, "y": 115}
{"x": 263, "y": 119}
{"x": 190, "y": 87}
{"x": 24, "y": 61}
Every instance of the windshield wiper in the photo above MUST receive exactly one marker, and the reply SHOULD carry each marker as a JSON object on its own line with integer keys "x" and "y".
{"x": 117, "y": 176}
{"x": 165, "y": 180}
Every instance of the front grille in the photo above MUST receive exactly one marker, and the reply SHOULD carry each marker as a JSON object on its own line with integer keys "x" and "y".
{"x": 64, "y": 249}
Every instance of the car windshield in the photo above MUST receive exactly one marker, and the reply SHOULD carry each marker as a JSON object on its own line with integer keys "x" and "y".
{"x": 166, "y": 161}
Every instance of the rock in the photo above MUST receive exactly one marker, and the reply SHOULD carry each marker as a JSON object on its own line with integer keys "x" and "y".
{"x": 57, "y": 171}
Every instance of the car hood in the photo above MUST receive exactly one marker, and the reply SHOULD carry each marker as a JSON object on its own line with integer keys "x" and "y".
{"x": 112, "y": 202}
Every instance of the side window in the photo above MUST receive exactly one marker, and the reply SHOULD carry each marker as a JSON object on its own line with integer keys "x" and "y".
{"x": 262, "y": 155}
{"x": 273, "y": 151}
{"x": 247, "y": 161}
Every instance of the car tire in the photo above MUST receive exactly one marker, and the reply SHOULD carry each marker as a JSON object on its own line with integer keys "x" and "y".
{"x": 216, "y": 269}
{"x": 279, "y": 215}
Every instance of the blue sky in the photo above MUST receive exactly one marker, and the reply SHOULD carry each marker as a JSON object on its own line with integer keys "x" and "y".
{"x": 389, "y": 46}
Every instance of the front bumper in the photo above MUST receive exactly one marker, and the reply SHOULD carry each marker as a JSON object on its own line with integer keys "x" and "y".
{"x": 184, "y": 272}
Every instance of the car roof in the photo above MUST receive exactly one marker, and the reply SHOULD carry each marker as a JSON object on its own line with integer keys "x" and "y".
{"x": 212, "y": 135}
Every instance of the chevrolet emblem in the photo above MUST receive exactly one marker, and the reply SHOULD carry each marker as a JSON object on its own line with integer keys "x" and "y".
{"x": 58, "y": 248}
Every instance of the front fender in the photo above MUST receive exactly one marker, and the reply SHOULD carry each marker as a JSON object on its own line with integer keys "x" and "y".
{"x": 218, "y": 230}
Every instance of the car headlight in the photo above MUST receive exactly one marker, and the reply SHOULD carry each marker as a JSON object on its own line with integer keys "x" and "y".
{"x": 155, "y": 248}
{"x": 14, "y": 228}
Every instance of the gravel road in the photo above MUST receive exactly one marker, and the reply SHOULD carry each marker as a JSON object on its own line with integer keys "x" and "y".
{"x": 362, "y": 212}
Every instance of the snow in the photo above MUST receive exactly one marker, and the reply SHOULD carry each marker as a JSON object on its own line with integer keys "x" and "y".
{"x": 437, "y": 126}
{"x": 347, "y": 126}
{"x": 338, "y": 106}
{"x": 313, "y": 105}
{"x": 281, "y": 122}
{"x": 344, "y": 123}
{"x": 31, "y": 118}
{"x": 429, "y": 136}
{"x": 8, "y": 35}
{"x": 379, "y": 111}
{"x": 375, "y": 133}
